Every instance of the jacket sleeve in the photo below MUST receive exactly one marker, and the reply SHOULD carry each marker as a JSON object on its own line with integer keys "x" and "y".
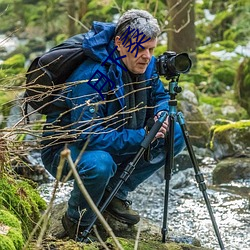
{"x": 88, "y": 117}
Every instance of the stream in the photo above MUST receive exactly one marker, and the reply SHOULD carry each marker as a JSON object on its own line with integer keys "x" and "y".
{"x": 187, "y": 212}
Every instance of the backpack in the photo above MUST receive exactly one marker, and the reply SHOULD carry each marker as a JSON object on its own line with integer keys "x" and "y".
{"x": 47, "y": 73}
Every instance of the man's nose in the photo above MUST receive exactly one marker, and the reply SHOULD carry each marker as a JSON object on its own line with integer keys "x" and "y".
{"x": 146, "y": 54}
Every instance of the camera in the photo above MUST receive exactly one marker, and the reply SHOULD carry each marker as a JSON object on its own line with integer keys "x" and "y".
{"x": 171, "y": 65}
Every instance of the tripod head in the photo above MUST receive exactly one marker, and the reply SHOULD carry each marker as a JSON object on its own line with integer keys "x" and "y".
{"x": 174, "y": 89}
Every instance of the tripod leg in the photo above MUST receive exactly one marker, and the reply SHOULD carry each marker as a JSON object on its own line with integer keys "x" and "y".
{"x": 199, "y": 176}
{"x": 168, "y": 173}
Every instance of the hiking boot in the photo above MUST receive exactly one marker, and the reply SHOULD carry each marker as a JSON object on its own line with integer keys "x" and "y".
{"x": 121, "y": 211}
{"x": 75, "y": 231}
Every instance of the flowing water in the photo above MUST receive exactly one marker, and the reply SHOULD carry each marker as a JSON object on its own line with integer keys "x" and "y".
{"x": 187, "y": 212}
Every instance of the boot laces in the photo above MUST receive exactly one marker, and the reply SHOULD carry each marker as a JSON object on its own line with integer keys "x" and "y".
{"x": 127, "y": 203}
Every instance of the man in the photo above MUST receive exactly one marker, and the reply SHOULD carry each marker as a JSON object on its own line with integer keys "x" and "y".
{"x": 105, "y": 107}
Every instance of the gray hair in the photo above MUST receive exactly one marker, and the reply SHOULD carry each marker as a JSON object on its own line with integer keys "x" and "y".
{"x": 138, "y": 19}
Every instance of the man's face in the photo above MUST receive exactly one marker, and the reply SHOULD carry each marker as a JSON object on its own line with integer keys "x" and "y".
{"x": 139, "y": 64}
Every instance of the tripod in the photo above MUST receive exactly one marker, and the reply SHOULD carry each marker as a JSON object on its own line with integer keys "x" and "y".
{"x": 169, "y": 163}
{"x": 173, "y": 90}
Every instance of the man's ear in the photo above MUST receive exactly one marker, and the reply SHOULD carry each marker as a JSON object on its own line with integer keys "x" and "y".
{"x": 118, "y": 43}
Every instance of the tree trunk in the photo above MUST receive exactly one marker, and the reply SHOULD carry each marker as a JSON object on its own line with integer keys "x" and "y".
{"x": 181, "y": 27}
{"x": 72, "y": 13}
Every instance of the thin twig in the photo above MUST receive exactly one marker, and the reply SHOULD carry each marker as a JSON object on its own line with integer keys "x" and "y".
{"x": 99, "y": 238}
{"x": 137, "y": 236}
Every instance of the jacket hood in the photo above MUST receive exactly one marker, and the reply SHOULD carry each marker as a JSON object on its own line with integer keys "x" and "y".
{"x": 98, "y": 42}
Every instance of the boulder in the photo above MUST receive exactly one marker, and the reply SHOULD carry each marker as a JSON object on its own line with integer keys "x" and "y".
{"x": 231, "y": 169}
{"x": 230, "y": 140}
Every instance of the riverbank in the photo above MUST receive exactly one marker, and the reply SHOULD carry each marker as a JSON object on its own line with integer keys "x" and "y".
{"x": 188, "y": 216}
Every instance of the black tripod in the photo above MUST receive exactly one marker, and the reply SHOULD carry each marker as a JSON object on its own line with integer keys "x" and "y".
{"x": 169, "y": 163}
{"x": 173, "y": 90}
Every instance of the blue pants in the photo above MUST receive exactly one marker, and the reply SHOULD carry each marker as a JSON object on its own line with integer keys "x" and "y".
{"x": 99, "y": 171}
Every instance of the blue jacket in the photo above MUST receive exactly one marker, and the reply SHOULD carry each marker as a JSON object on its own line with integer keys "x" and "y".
{"x": 89, "y": 117}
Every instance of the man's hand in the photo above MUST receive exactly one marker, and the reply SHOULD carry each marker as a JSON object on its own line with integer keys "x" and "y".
{"x": 164, "y": 128}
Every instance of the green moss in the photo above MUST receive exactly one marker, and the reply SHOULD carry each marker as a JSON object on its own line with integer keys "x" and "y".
{"x": 212, "y": 100}
{"x": 16, "y": 237}
{"x": 6, "y": 243}
{"x": 225, "y": 75}
{"x": 239, "y": 128}
{"x": 22, "y": 200}
{"x": 13, "y": 238}
{"x": 236, "y": 125}
{"x": 16, "y": 61}
{"x": 9, "y": 219}
{"x": 128, "y": 244}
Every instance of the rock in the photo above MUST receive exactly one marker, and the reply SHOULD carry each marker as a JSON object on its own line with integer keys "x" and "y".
{"x": 149, "y": 238}
{"x": 229, "y": 140}
{"x": 231, "y": 169}
{"x": 197, "y": 125}
{"x": 181, "y": 179}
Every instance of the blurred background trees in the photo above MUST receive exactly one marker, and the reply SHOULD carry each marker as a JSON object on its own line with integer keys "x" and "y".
{"x": 215, "y": 34}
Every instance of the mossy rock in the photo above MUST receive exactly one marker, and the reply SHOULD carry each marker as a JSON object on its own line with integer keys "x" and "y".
{"x": 22, "y": 200}
{"x": 219, "y": 107}
{"x": 232, "y": 139}
{"x": 10, "y": 231}
{"x": 128, "y": 244}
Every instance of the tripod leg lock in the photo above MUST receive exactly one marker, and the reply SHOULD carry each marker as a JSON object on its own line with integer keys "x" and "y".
{"x": 127, "y": 172}
{"x": 200, "y": 180}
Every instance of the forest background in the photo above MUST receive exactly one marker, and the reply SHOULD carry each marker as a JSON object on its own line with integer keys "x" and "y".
{"x": 214, "y": 33}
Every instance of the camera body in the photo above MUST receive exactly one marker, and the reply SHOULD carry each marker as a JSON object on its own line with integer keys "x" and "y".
{"x": 171, "y": 65}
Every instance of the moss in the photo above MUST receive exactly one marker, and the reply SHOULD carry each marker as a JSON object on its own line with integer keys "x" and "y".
{"x": 13, "y": 239}
{"x": 9, "y": 219}
{"x": 221, "y": 132}
{"x": 236, "y": 125}
{"x": 225, "y": 75}
{"x": 22, "y": 200}
{"x": 6, "y": 243}
{"x": 16, "y": 61}
{"x": 128, "y": 244}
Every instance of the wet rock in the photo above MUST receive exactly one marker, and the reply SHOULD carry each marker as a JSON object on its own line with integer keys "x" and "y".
{"x": 231, "y": 169}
